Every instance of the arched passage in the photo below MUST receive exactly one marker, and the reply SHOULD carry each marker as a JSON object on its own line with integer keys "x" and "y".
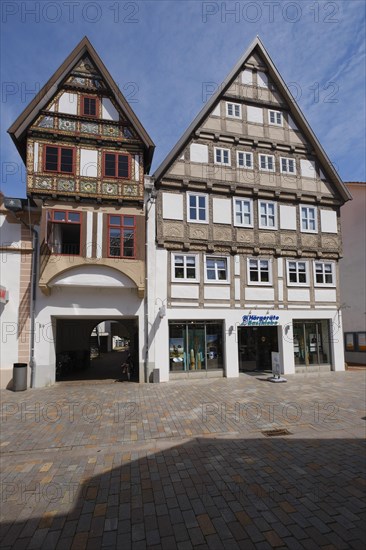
{"x": 94, "y": 349}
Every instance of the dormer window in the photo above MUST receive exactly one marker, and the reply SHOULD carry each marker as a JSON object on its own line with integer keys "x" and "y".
{"x": 89, "y": 106}
{"x": 116, "y": 165}
{"x": 59, "y": 159}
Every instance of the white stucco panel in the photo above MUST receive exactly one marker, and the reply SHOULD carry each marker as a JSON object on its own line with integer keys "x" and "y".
{"x": 325, "y": 295}
{"x": 288, "y": 217}
{"x": 262, "y": 79}
{"x": 247, "y": 77}
{"x": 172, "y": 206}
{"x": 217, "y": 292}
{"x": 216, "y": 111}
{"x": 88, "y": 163}
{"x": 308, "y": 168}
{"x": 254, "y": 114}
{"x": 221, "y": 211}
{"x": 89, "y": 233}
{"x": 35, "y": 157}
{"x": 185, "y": 291}
{"x": 298, "y": 294}
{"x": 68, "y": 103}
{"x": 328, "y": 220}
{"x": 199, "y": 152}
{"x": 261, "y": 294}
{"x": 291, "y": 124}
{"x": 109, "y": 111}
{"x": 9, "y": 233}
{"x": 93, "y": 275}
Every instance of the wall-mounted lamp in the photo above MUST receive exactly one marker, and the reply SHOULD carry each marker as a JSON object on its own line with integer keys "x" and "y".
{"x": 162, "y": 311}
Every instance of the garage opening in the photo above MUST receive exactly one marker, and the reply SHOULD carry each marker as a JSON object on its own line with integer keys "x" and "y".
{"x": 97, "y": 349}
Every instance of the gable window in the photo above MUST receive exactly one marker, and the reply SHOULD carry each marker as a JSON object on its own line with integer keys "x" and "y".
{"x": 121, "y": 236}
{"x": 233, "y": 110}
{"x": 308, "y": 219}
{"x": 288, "y": 166}
{"x": 197, "y": 208}
{"x": 59, "y": 159}
{"x": 116, "y": 165}
{"x": 89, "y": 106}
{"x": 185, "y": 267}
{"x": 267, "y": 163}
{"x": 216, "y": 269}
{"x": 297, "y": 272}
{"x": 222, "y": 156}
{"x": 243, "y": 212}
{"x": 244, "y": 160}
{"x": 324, "y": 274}
{"x": 275, "y": 117}
{"x": 63, "y": 232}
{"x": 267, "y": 213}
{"x": 259, "y": 272}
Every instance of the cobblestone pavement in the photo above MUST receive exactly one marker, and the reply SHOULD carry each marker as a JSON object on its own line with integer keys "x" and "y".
{"x": 185, "y": 464}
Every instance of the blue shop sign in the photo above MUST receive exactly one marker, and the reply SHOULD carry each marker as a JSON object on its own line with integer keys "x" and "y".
{"x": 260, "y": 320}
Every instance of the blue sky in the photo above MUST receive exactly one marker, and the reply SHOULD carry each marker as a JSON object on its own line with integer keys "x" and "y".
{"x": 162, "y": 54}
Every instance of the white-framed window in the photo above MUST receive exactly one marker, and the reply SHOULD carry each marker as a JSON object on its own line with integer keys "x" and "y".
{"x": 243, "y": 212}
{"x": 259, "y": 271}
{"x": 233, "y": 110}
{"x": 275, "y": 118}
{"x": 267, "y": 163}
{"x": 197, "y": 208}
{"x": 308, "y": 215}
{"x": 324, "y": 273}
{"x": 222, "y": 156}
{"x": 244, "y": 160}
{"x": 287, "y": 165}
{"x": 216, "y": 269}
{"x": 185, "y": 268}
{"x": 267, "y": 214}
{"x": 297, "y": 273}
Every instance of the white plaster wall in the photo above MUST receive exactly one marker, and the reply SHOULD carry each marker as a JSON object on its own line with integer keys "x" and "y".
{"x": 172, "y": 206}
{"x": 137, "y": 167}
{"x": 217, "y": 292}
{"x": 288, "y": 217}
{"x": 328, "y": 221}
{"x": 89, "y": 234}
{"x": 93, "y": 276}
{"x": 9, "y": 232}
{"x": 307, "y": 168}
{"x": 217, "y": 110}
{"x": 35, "y": 157}
{"x": 254, "y": 114}
{"x": 291, "y": 123}
{"x": 99, "y": 235}
{"x": 259, "y": 294}
{"x": 199, "y": 152}
{"x": 262, "y": 79}
{"x": 247, "y": 77}
{"x": 236, "y": 265}
{"x": 221, "y": 211}
{"x": 68, "y": 103}
{"x": 10, "y": 263}
{"x": 108, "y": 110}
{"x": 325, "y": 295}
{"x": 88, "y": 163}
{"x": 298, "y": 294}
{"x": 185, "y": 291}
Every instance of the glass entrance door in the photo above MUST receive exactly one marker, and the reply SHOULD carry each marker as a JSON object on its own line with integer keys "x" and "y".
{"x": 255, "y": 347}
{"x": 311, "y": 342}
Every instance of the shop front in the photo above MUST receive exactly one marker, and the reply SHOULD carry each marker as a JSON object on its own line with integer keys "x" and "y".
{"x": 196, "y": 346}
{"x": 311, "y": 341}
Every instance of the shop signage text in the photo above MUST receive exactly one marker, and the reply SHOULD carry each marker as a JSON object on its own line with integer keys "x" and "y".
{"x": 260, "y": 320}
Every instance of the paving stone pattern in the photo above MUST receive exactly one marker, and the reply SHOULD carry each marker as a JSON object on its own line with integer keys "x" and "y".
{"x": 185, "y": 465}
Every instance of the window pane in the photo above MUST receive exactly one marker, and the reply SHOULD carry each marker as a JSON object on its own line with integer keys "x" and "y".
{"x": 221, "y": 264}
{"x": 66, "y": 160}
{"x": 128, "y": 242}
{"x": 302, "y": 277}
{"x": 270, "y": 163}
{"x": 301, "y": 266}
{"x": 73, "y": 217}
{"x": 211, "y": 274}
{"x": 293, "y": 277}
{"x": 191, "y": 272}
{"x": 90, "y": 106}
{"x": 319, "y": 278}
{"x": 178, "y": 260}
{"x": 241, "y": 159}
{"x": 222, "y": 275}
{"x": 328, "y": 268}
{"x": 192, "y": 214}
{"x": 128, "y": 220}
{"x": 264, "y": 277}
{"x": 192, "y": 200}
{"x": 328, "y": 278}
{"x": 109, "y": 164}
{"x": 191, "y": 261}
{"x": 123, "y": 166}
{"x": 210, "y": 263}
{"x": 202, "y": 214}
{"x": 179, "y": 273}
{"x": 114, "y": 242}
{"x": 115, "y": 220}
{"x": 59, "y": 216}
{"x": 201, "y": 202}
{"x": 248, "y": 160}
{"x": 262, "y": 161}
{"x": 51, "y": 158}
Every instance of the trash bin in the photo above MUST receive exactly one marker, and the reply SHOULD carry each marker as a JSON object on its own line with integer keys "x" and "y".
{"x": 20, "y": 376}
